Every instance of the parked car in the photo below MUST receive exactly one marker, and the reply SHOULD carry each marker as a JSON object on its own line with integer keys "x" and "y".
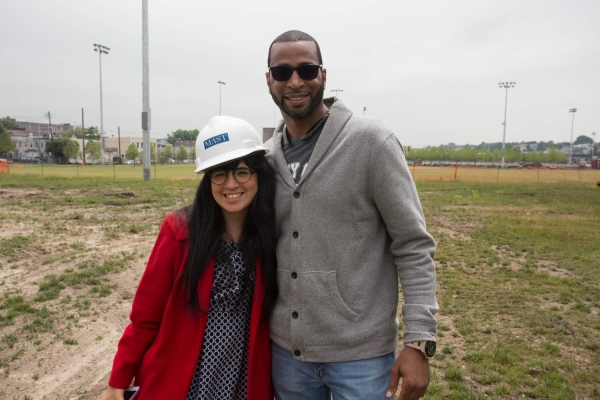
{"x": 171, "y": 161}
{"x": 28, "y": 159}
{"x": 131, "y": 162}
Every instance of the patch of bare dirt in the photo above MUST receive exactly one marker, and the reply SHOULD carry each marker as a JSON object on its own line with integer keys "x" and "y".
{"x": 453, "y": 234}
{"x": 552, "y": 269}
{"x": 72, "y": 357}
{"x": 455, "y": 229}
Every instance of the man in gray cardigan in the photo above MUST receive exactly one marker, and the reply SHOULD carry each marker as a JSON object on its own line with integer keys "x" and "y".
{"x": 350, "y": 224}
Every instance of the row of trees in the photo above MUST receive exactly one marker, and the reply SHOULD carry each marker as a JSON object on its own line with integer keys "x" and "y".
{"x": 529, "y": 146}
{"x": 182, "y": 153}
{"x": 91, "y": 133}
{"x": 182, "y": 134}
{"x": 167, "y": 153}
{"x": 132, "y": 153}
{"x": 474, "y": 155}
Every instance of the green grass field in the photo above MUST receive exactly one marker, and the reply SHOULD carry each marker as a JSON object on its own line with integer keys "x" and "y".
{"x": 476, "y": 174}
{"x": 128, "y": 172}
{"x": 419, "y": 173}
{"x": 519, "y": 289}
{"x": 518, "y": 275}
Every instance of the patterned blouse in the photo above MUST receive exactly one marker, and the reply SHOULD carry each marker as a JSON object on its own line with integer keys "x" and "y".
{"x": 222, "y": 369}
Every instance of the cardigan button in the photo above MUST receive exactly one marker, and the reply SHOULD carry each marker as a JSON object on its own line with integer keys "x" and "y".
{"x": 294, "y": 315}
{"x": 295, "y": 234}
{"x": 294, "y": 275}
{"x": 297, "y": 353}
{"x": 296, "y": 195}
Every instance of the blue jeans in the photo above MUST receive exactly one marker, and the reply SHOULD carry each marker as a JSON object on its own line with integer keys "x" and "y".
{"x": 351, "y": 380}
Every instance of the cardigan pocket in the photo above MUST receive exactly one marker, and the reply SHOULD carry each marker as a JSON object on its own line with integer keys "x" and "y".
{"x": 325, "y": 318}
{"x": 339, "y": 302}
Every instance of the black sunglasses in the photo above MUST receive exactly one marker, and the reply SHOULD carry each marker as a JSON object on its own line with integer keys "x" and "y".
{"x": 306, "y": 72}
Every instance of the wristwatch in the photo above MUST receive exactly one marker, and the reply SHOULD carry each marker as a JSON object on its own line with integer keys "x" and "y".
{"x": 425, "y": 347}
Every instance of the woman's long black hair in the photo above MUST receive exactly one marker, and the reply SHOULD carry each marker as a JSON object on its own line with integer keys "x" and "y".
{"x": 206, "y": 227}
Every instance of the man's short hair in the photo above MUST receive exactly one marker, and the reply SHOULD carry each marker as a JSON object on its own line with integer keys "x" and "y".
{"x": 295, "y": 36}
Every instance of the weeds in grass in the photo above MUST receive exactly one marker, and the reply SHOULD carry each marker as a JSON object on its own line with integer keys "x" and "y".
{"x": 13, "y": 306}
{"x": 518, "y": 282}
{"x": 14, "y": 244}
{"x": 89, "y": 273}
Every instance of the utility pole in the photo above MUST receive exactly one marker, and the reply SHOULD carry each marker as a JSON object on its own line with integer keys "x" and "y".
{"x": 50, "y": 133}
{"x": 572, "y": 110}
{"x": 221, "y": 83}
{"x": 83, "y": 136}
{"x": 506, "y": 85}
{"x": 120, "y": 157}
{"x": 145, "y": 92}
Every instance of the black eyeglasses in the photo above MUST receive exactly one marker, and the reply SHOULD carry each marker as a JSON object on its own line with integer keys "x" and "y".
{"x": 306, "y": 72}
{"x": 242, "y": 175}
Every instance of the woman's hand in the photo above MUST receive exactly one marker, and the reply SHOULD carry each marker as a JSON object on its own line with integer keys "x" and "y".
{"x": 113, "y": 394}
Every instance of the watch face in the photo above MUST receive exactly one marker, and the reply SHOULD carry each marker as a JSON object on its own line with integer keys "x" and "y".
{"x": 430, "y": 349}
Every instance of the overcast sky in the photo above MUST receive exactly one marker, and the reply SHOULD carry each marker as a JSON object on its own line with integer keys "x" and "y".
{"x": 427, "y": 69}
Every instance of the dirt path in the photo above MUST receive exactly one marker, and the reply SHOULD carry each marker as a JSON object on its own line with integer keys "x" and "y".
{"x": 61, "y": 347}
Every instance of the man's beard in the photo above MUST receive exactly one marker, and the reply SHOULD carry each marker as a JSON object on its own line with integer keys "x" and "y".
{"x": 301, "y": 114}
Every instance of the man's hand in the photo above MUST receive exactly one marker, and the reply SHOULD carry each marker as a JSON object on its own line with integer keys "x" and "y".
{"x": 113, "y": 394}
{"x": 413, "y": 368}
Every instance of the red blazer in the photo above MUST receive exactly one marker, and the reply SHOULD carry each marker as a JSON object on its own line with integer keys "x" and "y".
{"x": 161, "y": 345}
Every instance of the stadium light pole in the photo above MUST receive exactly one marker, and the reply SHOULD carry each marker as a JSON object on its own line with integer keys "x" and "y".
{"x": 336, "y": 91}
{"x": 593, "y": 143}
{"x": 572, "y": 110}
{"x": 146, "y": 113}
{"x": 101, "y": 50}
{"x": 221, "y": 83}
{"x": 506, "y": 85}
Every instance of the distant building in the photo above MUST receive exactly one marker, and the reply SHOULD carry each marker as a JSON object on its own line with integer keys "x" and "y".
{"x": 28, "y": 144}
{"x": 268, "y": 133}
{"x": 112, "y": 144}
{"x": 161, "y": 144}
{"x": 41, "y": 128}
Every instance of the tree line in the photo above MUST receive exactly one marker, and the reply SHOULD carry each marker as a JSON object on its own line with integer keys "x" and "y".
{"x": 474, "y": 155}
{"x": 545, "y": 152}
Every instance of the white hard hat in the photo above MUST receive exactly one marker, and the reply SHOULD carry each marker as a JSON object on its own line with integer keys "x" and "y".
{"x": 225, "y": 139}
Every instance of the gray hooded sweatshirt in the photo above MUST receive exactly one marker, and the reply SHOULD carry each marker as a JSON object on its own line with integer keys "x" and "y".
{"x": 347, "y": 232}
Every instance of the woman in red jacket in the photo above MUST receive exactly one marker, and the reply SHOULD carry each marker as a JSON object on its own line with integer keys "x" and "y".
{"x": 199, "y": 317}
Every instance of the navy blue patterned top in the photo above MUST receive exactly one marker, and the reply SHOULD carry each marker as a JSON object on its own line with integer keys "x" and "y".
{"x": 222, "y": 369}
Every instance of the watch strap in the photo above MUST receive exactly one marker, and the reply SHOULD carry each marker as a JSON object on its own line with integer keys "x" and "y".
{"x": 419, "y": 346}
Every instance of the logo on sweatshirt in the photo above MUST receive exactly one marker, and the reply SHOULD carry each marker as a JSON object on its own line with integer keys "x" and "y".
{"x": 215, "y": 140}
{"x": 294, "y": 169}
